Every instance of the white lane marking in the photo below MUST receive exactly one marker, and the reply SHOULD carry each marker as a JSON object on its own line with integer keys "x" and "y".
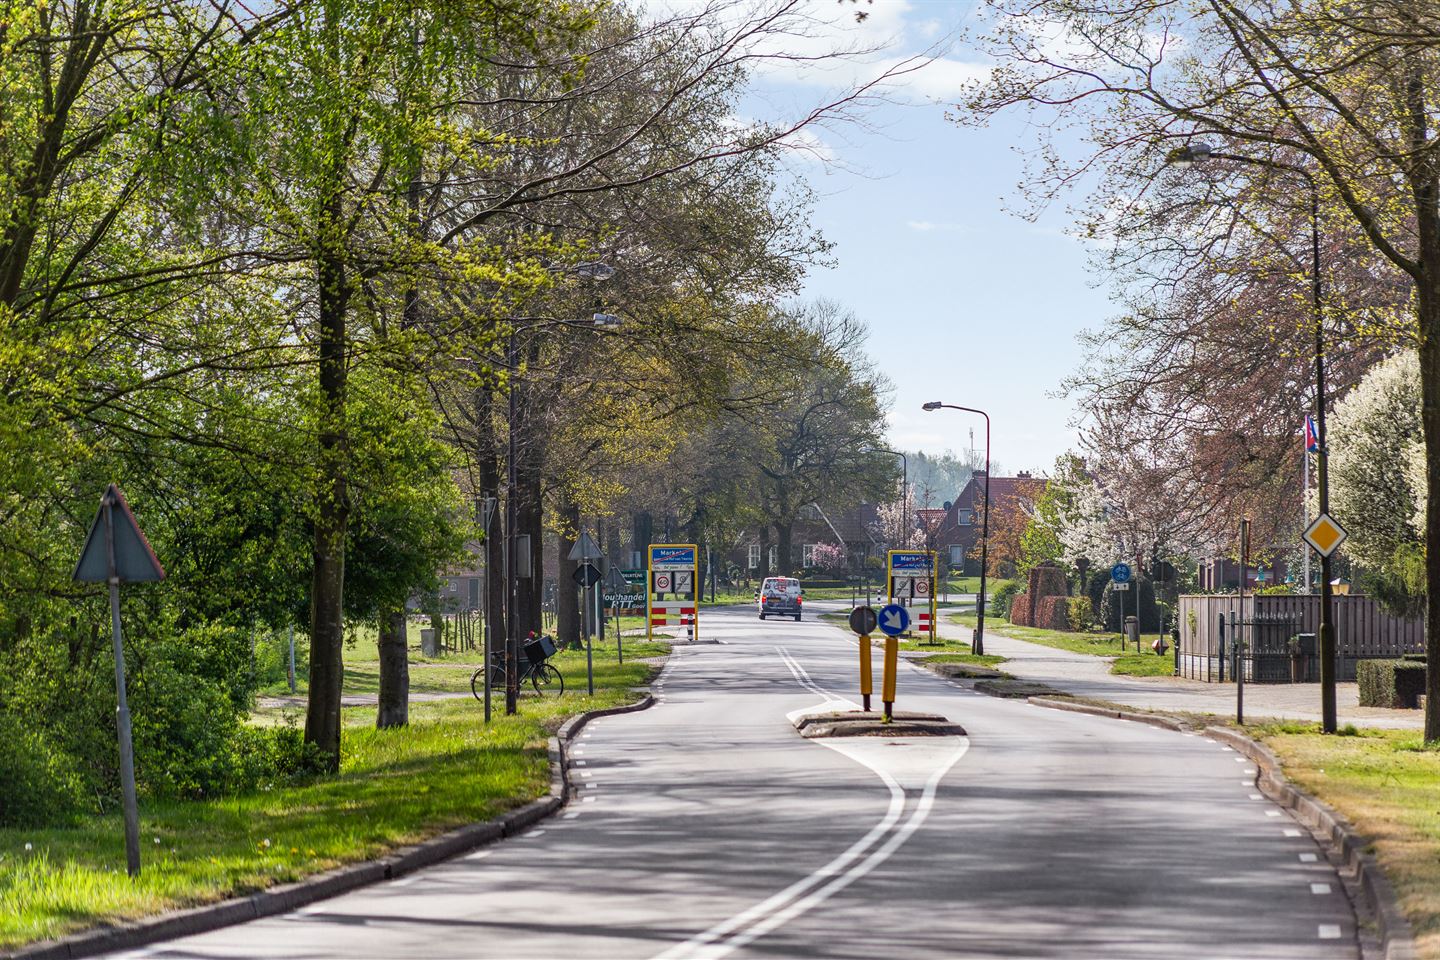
{"x": 794, "y": 900}
{"x": 1329, "y": 931}
{"x": 1246, "y": 783}
{"x": 1293, "y": 833}
{"x": 586, "y": 773}
{"x": 1237, "y": 759}
{"x": 581, "y": 763}
{"x": 1227, "y": 749}
{"x": 1251, "y": 772}
{"x": 1319, "y": 889}
{"x": 479, "y": 856}
{"x": 1272, "y": 813}
{"x": 531, "y": 834}
{"x": 1309, "y": 858}
{"x": 572, "y": 814}
{"x": 1253, "y": 796}
{"x": 592, "y": 785}
{"x": 587, "y": 799}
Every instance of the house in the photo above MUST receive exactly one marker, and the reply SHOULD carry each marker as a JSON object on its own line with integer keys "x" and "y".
{"x": 958, "y": 537}
{"x": 854, "y": 528}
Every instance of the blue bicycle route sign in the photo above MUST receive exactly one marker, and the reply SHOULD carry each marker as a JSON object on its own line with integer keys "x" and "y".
{"x": 1120, "y": 573}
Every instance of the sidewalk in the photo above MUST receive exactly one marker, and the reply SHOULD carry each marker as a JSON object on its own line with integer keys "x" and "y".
{"x": 1087, "y": 676}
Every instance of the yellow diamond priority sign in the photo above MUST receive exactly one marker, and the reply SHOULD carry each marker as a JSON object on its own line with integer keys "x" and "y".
{"x": 1325, "y": 535}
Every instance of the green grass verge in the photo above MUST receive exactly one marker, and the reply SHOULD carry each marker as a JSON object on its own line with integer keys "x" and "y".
{"x": 979, "y": 660}
{"x": 1096, "y": 644}
{"x": 1383, "y": 781}
{"x": 446, "y": 769}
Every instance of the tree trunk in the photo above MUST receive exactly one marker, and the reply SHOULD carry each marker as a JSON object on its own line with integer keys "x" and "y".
{"x": 567, "y": 600}
{"x": 394, "y": 706}
{"x": 784, "y": 535}
{"x": 1430, "y": 419}
{"x": 488, "y": 467}
{"x": 533, "y": 523}
{"x": 764, "y": 567}
{"x": 332, "y": 512}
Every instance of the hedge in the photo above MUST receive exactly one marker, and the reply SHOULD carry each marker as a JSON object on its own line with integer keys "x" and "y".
{"x": 1390, "y": 683}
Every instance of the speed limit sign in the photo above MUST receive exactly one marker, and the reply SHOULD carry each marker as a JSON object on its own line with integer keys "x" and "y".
{"x": 922, "y": 587}
{"x": 662, "y": 583}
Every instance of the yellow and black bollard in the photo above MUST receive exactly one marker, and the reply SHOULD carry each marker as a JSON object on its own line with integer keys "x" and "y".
{"x": 892, "y": 653}
{"x": 866, "y": 684}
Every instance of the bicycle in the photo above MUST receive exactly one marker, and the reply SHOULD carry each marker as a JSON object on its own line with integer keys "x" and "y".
{"x": 543, "y": 676}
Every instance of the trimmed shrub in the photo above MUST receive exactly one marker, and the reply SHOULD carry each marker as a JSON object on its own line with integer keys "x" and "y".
{"x": 1052, "y": 613}
{"x": 39, "y": 785}
{"x": 999, "y": 601}
{"x": 1390, "y": 683}
{"x": 1079, "y": 613}
{"x": 1020, "y": 613}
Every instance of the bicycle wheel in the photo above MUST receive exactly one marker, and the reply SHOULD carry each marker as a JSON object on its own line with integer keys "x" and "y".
{"x": 547, "y": 680}
{"x": 477, "y": 683}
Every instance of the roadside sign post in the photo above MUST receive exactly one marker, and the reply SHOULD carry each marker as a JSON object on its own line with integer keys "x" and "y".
{"x": 1120, "y": 579}
{"x": 588, "y": 575}
{"x": 115, "y": 550}
{"x": 893, "y": 620}
{"x": 863, "y": 621}
{"x": 910, "y": 575}
{"x": 670, "y": 590}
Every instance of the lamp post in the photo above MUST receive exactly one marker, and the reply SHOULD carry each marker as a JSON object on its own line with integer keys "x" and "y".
{"x": 1198, "y": 152}
{"x": 591, "y": 271}
{"x": 977, "y": 646}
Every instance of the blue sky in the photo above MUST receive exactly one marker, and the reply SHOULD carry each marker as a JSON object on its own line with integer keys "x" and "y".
{"x": 966, "y": 302}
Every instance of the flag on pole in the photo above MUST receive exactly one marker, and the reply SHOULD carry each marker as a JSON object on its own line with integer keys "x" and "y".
{"x": 1312, "y": 439}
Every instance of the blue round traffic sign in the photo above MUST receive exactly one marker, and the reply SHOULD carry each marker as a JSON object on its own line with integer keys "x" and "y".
{"x": 894, "y": 620}
{"x": 1120, "y": 573}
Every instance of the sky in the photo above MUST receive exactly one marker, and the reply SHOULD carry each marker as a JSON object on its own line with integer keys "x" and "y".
{"x": 967, "y": 302}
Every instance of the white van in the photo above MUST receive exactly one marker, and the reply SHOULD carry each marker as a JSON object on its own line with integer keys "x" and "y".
{"x": 781, "y": 597}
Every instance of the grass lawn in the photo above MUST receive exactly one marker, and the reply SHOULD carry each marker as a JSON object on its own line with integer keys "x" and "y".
{"x": 1097, "y": 644}
{"x": 395, "y": 787}
{"x": 980, "y": 660}
{"x": 1384, "y": 781}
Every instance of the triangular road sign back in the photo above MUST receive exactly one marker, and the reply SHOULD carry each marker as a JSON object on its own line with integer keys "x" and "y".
{"x": 586, "y": 548}
{"x": 135, "y": 562}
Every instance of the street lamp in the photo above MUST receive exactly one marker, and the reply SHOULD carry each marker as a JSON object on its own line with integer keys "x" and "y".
{"x": 1198, "y": 152}
{"x": 977, "y": 645}
{"x": 591, "y": 271}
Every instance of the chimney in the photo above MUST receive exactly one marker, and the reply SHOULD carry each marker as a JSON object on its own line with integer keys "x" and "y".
{"x": 1024, "y": 475}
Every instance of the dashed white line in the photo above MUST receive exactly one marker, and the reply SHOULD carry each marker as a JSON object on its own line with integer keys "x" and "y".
{"x": 1293, "y": 833}
{"x": 1272, "y": 813}
{"x": 572, "y": 814}
{"x": 1320, "y": 889}
{"x": 587, "y": 799}
{"x": 1309, "y": 858}
{"x": 531, "y": 834}
{"x": 580, "y": 763}
{"x": 586, "y": 773}
{"x": 1253, "y": 796}
{"x": 1329, "y": 931}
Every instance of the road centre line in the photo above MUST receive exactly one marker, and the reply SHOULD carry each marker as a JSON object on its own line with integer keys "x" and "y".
{"x": 1309, "y": 858}
{"x": 1329, "y": 931}
{"x": 839, "y": 873}
{"x": 1320, "y": 889}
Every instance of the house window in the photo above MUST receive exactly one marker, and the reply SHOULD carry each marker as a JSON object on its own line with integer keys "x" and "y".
{"x": 807, "y": 555}
{"x": 957, "y": 555}
{"x": 965, "y": 517}
{"x": 753, "y": 556}
{"x": 773, "y": 554}
{"x": 810, "y": 512}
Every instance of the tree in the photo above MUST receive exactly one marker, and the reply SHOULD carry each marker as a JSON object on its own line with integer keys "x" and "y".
{"x": 1340, "y": 97}
{"x": 1375, "y": 439}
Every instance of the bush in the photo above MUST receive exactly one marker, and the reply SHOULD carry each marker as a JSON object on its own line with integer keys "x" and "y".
{"x": 999, "y": 601}
{"x": 1390, "y": 683}
{"x": 1080, "y": 613}
{"x": 39, "y": 784}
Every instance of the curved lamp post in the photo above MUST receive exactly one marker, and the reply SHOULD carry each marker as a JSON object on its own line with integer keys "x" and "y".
{"x": 1199, "y": 152}
{"x": 977, "y": 645}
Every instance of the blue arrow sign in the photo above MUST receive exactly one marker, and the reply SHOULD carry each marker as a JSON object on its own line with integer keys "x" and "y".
{"x": 894, "y": 620}
{"x": 1120, "y": 573}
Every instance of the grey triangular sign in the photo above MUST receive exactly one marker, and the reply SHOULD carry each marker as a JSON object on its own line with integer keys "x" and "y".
{"x": 135, "y": 562}
{"x": 586, "y": 548}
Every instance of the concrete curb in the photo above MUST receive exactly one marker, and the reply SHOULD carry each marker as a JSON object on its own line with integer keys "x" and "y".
{"x": 1154, "y": 720}
{"x": 1397, "y": 938}
{"x": 288, "y": 897}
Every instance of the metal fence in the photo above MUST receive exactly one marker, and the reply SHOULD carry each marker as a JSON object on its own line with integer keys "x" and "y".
{"x": 1271, "y": 649}
{"x": 1362, "y": 631}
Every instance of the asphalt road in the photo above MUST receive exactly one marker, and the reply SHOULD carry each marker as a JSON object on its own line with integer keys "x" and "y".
{"x": 708, "y": 828}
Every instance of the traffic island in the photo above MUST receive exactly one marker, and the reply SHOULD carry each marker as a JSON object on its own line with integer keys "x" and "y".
{"x": 861, "y": 723}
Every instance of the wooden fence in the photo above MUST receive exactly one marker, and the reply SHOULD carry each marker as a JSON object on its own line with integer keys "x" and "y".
{"x": 1362, "y": 630}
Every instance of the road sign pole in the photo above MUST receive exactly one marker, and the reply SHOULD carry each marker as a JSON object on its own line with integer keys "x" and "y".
{"x": 892, "y": 653}
{"x": 866, "y": 681}
{"x": 590, "y": 647}
{"x": 122, "y": 706}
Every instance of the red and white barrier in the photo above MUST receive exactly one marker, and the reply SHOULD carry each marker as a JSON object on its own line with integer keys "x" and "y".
{"x": 665, "y": 614}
